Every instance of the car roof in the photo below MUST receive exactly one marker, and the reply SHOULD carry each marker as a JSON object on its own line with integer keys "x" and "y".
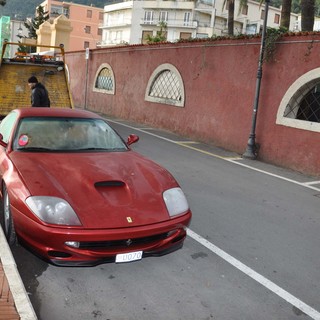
{"x": 56, "y": 112}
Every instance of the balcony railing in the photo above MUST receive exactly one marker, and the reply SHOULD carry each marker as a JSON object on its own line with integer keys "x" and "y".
{"x": 115, "y": 23}
{"x": 171, "y": 23}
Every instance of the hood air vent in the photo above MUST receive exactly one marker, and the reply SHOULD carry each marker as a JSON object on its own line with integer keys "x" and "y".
{"x": 113, "y": 183}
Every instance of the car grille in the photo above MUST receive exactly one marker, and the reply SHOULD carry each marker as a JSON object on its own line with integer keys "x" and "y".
{"x": 125, "y": 243}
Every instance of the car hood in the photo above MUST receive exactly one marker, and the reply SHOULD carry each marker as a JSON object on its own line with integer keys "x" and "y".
{"x": 106, "y": 190}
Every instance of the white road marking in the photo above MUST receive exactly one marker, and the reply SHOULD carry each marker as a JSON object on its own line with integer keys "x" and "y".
{"x": 311, "y": 183}
{"x": 314, "y": 314}
{"x": 303, "y": 184}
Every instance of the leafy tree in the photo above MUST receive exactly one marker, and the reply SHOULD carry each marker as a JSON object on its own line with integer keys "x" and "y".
{"x": 296, "y": 6}
{"x": 276, "y": 3}
{"x": 307, "y": 15}
{"x": 160, "y": 36}
{"x": 34, "y": 24}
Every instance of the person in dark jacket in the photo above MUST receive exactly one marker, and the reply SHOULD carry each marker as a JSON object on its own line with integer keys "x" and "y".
{"x": 39, "y": 93}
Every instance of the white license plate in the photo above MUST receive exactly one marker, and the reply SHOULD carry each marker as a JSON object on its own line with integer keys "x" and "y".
{"x": 128, "y": 257}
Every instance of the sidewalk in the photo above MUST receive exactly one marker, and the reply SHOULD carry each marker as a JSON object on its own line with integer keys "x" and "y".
{"x": 14, "y": 300}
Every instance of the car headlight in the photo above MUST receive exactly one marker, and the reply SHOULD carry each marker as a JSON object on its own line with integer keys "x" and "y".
{"x": 175, "y": 201}
{"x": 53, "y": 210}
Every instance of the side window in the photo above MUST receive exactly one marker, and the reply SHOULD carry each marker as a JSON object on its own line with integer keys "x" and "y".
{"x": 104, "y": 80}
{"x": 6, "y": 126}
{"x": 166, "y": 86}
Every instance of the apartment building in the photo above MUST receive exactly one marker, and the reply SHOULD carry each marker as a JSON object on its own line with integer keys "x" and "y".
{"x": 132, "y": 21}
{"x": 84, "y": 20}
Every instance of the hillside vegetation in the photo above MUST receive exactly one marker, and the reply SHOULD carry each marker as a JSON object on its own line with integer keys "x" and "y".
{"x": 15, "y": 9}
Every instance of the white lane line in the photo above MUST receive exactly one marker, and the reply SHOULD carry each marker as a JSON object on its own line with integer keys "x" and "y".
{"x": 274, "y": 175}
{"x": 311, "y": 183}
{"x": 314, "y": 314}
{"x": 141, "y": 130}
{"x": 188, "y": 142}
{"x": 183, "y": 143}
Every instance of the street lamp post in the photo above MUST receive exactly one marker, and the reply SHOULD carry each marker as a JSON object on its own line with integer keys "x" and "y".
{"x": 251, "y": 151}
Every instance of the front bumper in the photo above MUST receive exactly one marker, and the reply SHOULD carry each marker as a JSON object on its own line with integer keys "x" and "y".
{"x": 100, "y": 246}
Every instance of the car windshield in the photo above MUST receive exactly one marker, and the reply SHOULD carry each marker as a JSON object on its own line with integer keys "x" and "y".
{"x": 66, "y": 134}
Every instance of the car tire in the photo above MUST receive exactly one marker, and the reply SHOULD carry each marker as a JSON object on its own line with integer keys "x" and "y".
{"x": 7, "y": 220}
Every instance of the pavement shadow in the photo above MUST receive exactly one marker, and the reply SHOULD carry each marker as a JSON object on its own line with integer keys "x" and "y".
{"x": 30, "y": 267}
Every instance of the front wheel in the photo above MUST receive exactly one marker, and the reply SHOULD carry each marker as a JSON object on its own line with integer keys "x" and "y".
{"x": 7, "y": 220}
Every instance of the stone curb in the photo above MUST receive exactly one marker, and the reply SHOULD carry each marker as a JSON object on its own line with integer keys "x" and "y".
{"x": 18, "y": 291}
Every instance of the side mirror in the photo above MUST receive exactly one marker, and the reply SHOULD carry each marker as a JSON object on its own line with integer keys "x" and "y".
{"x": 2, "y": 143}
{"x": 133, "y": 138}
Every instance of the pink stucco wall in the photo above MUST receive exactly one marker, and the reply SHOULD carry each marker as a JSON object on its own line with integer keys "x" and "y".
{"x": 219, "y": 81}
{"x": 79, "y": 20}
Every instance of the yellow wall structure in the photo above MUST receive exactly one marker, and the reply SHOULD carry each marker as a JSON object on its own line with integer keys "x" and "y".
{"x": 56, "y": 33}
{"x": 44, "y": 34}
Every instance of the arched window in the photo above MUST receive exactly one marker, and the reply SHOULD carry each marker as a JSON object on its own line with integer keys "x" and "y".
{"x": 166, "y": 86}
{"x": 104, "y": 80}
{"x": 300, "y": 106}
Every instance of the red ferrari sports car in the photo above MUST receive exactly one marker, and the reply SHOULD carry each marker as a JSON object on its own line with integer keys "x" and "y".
{"x": 74, "y": 192}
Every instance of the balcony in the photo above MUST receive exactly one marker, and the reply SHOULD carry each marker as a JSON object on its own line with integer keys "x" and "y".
{"x": 177, "y": 5}
{"x": 115, "y": 23}
{"x": 192, "y": 24}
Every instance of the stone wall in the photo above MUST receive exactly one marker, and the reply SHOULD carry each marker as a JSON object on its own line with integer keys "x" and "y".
{"x": 219, "y": 79}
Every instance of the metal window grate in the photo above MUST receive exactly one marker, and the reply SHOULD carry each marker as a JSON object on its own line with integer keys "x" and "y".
{"x": 166, "y": 86}
{"x": 305, "y": 104}
{"x": 105, "y": 80}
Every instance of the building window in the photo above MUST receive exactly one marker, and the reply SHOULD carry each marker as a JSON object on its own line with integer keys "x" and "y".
{"x": 86, "y": 44}
{"x": 251, "y": 28}
{"x": 277, "y": 18}
{"x": 115, "y": 36}
{"x": 185, "y": 35}
{"x": 56, "y": 10}
{"x": 104, "y": 80}
{"x": 163, "y": 16}
{"x": 87, "y": 29}
{"x": 262, "y": 15}
{"x": 145, "y": 36}
{"x": 99, "y": 32}
{"x": 244, "y": 10}
{"x": 186, "y": 19}
{"x": 101, "y": 16}
{"x": 201, "y": 35}
{"x": 89, "y": 13}
{"x": 148, "y": 17}
{"x": 300, "y": 106}
{"x": 166, "y": 86}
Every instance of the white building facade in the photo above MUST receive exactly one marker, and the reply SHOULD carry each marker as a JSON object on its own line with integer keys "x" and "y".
{"x": 130, "y": 22}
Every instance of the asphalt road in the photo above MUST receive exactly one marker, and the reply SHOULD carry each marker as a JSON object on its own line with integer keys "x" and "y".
{"x": 252, "y": 250}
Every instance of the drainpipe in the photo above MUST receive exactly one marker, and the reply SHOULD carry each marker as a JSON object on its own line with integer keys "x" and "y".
{"x": 251, "y": 151}
{"x": 87, "y": 55}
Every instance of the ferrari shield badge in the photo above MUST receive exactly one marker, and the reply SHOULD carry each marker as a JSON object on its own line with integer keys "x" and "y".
{"x": 129, "y": 220}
